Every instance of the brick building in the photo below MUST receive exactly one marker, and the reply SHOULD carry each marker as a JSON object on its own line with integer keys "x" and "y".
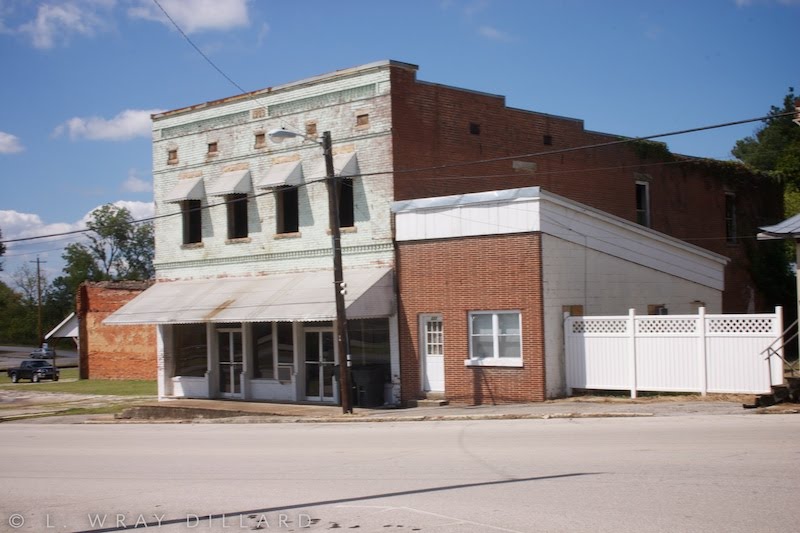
{"x": 113, "y": 352}
{"x": 484, "y": 280}
{"x": 243, "y": 301}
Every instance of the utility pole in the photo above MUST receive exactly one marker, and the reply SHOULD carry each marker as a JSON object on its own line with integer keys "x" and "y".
{"x": 39, "y": 297}
{"x": 334, "y": 184}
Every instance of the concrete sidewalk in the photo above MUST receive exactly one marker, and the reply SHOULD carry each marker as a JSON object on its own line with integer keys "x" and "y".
{"x": 583, "y": 407}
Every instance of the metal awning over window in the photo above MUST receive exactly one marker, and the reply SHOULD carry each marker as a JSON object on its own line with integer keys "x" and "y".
{"x": 233, "y": 182}
{"x": 282, "y": 174}
{"x": 343, "y": 165}
{"x": 301, "y": 296}
{"x": 186, "y": 189}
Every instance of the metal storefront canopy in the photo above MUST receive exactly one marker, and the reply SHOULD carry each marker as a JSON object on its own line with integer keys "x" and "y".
{"x": 302, "y": 296}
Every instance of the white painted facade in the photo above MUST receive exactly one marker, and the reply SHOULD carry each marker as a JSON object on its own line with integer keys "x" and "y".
{"x": 604, "y": 264}
{"x": 355, "y": 106}
{"x": 233, "y": 125}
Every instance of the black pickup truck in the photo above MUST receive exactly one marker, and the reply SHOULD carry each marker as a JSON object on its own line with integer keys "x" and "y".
{"x": 34, "y": 370}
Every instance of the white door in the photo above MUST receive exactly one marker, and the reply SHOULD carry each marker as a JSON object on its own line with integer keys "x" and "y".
{"x": 432, "y": 349}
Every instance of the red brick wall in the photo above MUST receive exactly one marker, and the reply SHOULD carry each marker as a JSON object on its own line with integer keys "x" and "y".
{"x": 454, "y": 277}
{"x": 113, "y": 352}
{"x": 432, "y": 128}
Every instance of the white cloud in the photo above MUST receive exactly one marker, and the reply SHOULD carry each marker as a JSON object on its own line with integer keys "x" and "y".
{"x": 136, "y": 184}
{"x": 10, "y": 144}
{"x": 139, "y": 210}
{"x": 195, "y": 15}
{"x": 494, "y": 34}
{"x": 126, "y": 125}
{"x": 55, "y": 23}
{"x": 16, "y": 225}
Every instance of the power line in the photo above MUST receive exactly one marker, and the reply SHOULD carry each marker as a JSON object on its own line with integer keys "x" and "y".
{"x": 453, "y": 165}
{"x": 156, "y": 2}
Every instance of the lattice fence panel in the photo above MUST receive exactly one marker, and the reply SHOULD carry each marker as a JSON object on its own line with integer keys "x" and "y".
{"x": 600, "y": 326}
{"x": 666, "y": 325}
{"x": 740, "y": 325}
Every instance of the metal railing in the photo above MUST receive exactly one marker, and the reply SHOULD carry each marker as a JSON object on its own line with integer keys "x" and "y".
{"x": 777, "y": 351}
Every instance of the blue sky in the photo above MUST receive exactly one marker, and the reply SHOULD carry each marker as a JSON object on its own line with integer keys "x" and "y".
{"x": 80, "y": 77}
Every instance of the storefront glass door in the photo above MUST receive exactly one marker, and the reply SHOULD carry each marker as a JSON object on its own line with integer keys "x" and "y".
{"x": 320, "y": 357}
{"x": 230, "y": 362}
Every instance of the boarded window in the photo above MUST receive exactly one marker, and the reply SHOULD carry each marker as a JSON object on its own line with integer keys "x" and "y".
{"x": 311, "y": 129}
{"x": 362, "y": 120}
{"x": 261, "y": 140}
{"x": 172, "y": 157}
{"x": 212, "y": 148}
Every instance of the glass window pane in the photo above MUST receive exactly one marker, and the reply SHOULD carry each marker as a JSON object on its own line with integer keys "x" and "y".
{"x": 509, "y": 346}
{"x": 482, "y": 347}
{"x": 482, "y": 324}
{"x": 285, "y": 343}
{"x": 237, "y": 347}
{"x": 312, "y": 347}
{"x": 508, "y": 323}
{"x": 190, "y": 350}
{"x": 327, "y": 347}
{"x": 264, "y": 366}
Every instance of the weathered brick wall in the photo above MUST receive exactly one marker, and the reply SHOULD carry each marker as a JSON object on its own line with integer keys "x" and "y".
{"x": 431, "y": 125}
{"x": 454, "y": 277}
{"x": 113, "y": 352}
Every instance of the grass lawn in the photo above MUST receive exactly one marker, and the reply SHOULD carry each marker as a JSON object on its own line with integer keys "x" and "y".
{"x": 85, "y": 386}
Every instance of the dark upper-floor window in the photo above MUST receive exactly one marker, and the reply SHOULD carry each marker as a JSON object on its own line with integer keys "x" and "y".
{"x": 346, "y": 204}
{"x": 192, "y": 221}
{"x": 237, "y": 215}
{"x": 643, "y": 203}
{"x": 288, "y": 212}
{"x": 730, "y": 218}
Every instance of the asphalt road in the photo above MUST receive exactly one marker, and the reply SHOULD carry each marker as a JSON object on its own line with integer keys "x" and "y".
{"x": 10, "y": 356}
{"x": 693, "y": 473}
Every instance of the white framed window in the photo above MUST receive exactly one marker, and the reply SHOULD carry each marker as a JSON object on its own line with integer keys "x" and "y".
{"x": 495, "y": 338}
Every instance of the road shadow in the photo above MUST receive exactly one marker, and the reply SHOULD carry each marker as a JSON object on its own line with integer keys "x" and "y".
{"x": 283, "y": 508}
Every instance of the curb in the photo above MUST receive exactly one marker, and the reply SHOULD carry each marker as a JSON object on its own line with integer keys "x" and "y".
{"x": 276, "y": 419}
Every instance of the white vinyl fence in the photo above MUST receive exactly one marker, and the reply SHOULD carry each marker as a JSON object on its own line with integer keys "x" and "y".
{"x": 681, "y": 353}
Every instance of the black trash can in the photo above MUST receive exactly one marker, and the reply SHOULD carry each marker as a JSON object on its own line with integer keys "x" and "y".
{"x": 368, "y": 383}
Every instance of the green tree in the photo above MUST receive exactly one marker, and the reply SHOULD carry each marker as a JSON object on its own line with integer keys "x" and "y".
{"x": 120, "y": 248}
{"x": 775, "y": 148}
{"x": 117, "y": 249}
{"x": 19, "y": 327}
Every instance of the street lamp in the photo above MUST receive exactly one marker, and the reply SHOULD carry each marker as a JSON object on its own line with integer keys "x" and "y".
{"x": 334, "y": 183}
